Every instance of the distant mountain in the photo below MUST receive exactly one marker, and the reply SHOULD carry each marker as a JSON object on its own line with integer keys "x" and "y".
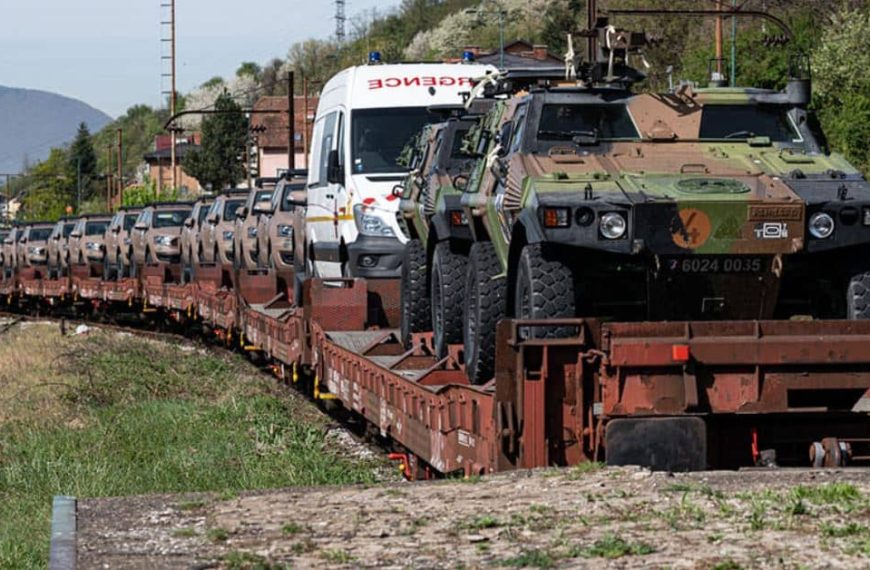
{"x": 32, "y": 122}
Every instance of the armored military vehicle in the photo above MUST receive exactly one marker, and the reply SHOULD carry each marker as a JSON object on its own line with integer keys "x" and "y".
{"x": 696, "y": 204}
{"x": 434, "y": 264}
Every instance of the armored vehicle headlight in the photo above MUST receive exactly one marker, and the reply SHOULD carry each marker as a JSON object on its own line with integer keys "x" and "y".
{"x": 821, "y": 225}
{"x": 613, "y": 225}
{"x": 285, "y": 231}
{"x": 228, "y": 236}
{"x": 92, "y": 246}
{"x": 252, "y": 232}
{"x": 557, "y": 217}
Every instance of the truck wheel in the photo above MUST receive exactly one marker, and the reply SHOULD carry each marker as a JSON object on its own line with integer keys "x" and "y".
{"x": 858, "y": 297}
{"x": 484, "y": 308}
{"x": 544, "y": 290}
{"x": 447, "y": 282}
{"x": 416, "y": 311}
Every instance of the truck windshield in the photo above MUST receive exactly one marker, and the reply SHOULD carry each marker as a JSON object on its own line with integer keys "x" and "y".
{"x": 39, "y": 234}
{"x": 67, "y": 229}
{"x": 230, "y": 209}
{"x": 96, "y": 228}
{"x": 741, "y": 122}
{"x": 170, "y": 218}
{"x": 379, "y": 135}
{"x": 130, "y": 221}
{"x": 596, "y": 120}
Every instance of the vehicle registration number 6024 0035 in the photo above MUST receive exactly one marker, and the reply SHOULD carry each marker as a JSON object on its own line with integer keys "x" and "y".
{"x": 716, "y": 264}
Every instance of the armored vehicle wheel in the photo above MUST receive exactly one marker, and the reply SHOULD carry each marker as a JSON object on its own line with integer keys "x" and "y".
{"x": 107, "y": 269}
{"x": 447, "y": 285}
{"x": 416, "y": 311}
{"x": 484, "y": 308}
{"x": 858, "y": 297}
{"x": 544, "y": 290}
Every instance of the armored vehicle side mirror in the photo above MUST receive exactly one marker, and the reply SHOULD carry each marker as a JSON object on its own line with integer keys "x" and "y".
{"x": 504, "y": 138}
{"x": 398, "y": 191}
{"x": 188, "y": 223}
{"x": 241, "y": 213}
{"x": 115, "y": 229}
{"x": 139, "y": 226}
{"x": 213, "y": 218}
{"x": 334, "y": 172}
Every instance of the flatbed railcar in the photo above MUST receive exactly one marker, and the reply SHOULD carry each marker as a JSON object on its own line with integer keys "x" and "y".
{"x": 667, "y": 395}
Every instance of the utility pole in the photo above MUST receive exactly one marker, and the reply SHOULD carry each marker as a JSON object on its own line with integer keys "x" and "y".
{"x": 734, "y": 44}
{"x": 291, "y": 123}
{"x": 120, "y": 165}
{"x": 339, "y": 21}
{"x": 109, "y": 176}
{"x": 591, "y": 41}
{"x": 78, "y": 185}
{"x": 173, "y": 97}
{"x": 719, "y": 40}
{"x": 305, "y": 119}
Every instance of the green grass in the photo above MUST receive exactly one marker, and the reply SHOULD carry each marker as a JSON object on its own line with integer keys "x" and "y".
{"x": 480, "y": 522}
{"x": 611, "y": 546}
{"x": 139, "y": 417}
{"x": 531, "y": 559}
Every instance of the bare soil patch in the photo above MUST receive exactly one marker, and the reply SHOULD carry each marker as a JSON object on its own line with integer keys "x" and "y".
{"x": 581, "y": 517}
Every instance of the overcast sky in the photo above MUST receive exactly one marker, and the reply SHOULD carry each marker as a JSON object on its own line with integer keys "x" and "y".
{"x": 107, "y": 52}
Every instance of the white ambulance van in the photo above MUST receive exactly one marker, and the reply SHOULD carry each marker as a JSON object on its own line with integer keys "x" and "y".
{"x": 365, "y": 117}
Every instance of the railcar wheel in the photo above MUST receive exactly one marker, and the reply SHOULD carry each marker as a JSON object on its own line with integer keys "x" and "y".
{"x": 544, "y": 290}
{"x": 484, "y": 308}
{"x": 447, "y": 284}
{"x": 414, "y": 298}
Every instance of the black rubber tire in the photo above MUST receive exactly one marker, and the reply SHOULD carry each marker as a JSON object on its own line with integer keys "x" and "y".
{"x": 414, "y": 292}
{"x": 107, "y": 269}
{"x": 544, "y": 290}
{"x": 485, "y": 305}
{"x": 149, "y": 259}
{"x": 858, "y": 297}
{"x": 121, "y": 270}
{"x": 447, "y": 281}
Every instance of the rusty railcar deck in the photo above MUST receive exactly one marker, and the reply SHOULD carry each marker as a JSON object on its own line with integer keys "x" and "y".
{"x": 671, "y": 395}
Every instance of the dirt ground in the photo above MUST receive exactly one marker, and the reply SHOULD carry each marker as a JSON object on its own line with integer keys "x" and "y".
{"x": 570, "y": 518}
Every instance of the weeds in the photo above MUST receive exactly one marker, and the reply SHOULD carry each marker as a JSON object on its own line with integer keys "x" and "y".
{"x": 218, "y": 534}
{"x": 480, "y": 522}
{"x": 582, "y": 469}
{"x": 184, "y": 533}
{"x": 830, "y": 494}
{"x": 292, "y": 528}
{"x": 849, "y": 529}
{"x": 237, "y": 560}
{"x": 531, "y": 559}
{"x": 337, "y": 555}
{"x": 611, "y": 546}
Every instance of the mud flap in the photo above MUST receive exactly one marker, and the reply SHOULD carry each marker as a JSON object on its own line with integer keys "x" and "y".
{"x": 661, "y": 444}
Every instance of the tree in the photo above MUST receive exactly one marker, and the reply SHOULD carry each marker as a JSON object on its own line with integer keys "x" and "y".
{"x": 219, "y": 162}
{"x": 82, "y": 163}
{"x": 47, "y": 188}
{"x": 250, "y": 69}
{"x": 842, "y": 86}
